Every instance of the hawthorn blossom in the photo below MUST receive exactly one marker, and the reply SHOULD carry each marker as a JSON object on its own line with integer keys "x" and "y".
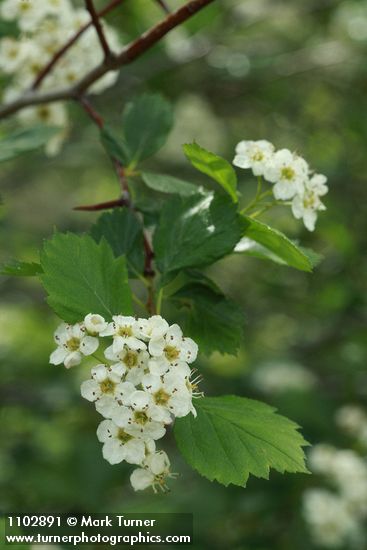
{"x": 288, "y": 172}
{"x": 307, "y": 204}
{"x": 73, "y": 343}
{"x": 119, "y": 445}
{"x": 170, "y": 393}
{"x": 255, "y": 155}
{"x": 134, "y": 364}
{"x": 124, "y": 331}
{"x": 94, "y": 323}
{"x": 172, "y": 347}
{"x": 154, "y": 473}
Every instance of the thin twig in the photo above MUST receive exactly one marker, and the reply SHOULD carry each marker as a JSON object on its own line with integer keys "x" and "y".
{"x": 163, "y": 5}
{"x": 62, "y": 51}
{"x": 99, "y": 30}
{"x": 102, "y": 205}
{"x": 131, "y": 52}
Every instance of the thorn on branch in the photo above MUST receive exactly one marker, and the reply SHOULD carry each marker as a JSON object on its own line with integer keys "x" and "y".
{"x": 103, "y": 205}
{"x": 99, "y": 30}
{"x": 164, "y": 6}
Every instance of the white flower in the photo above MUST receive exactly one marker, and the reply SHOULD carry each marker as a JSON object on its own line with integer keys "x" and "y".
{"x": 12, "y": 54}
{"x": 124, "y": 331}
{"x": 254, "y": 154}
{"x": 119, "y": 445}
{"x": 289, "y": 173}
{"x": 94, "y": 323}
{"x": 27, "y": 12}
{"x": 305, "y": 206}
{"x": 106, "y": 388}
{"x": 72, "y": 343}
{"x": 134, "y": 363}
{"x": 153, "y": 328}
{"x": 170, "y": 393}
{"x": 330, "y": 521}
{"x": 352, "y": 419}
{"x": 139, "y": 417}
{"x": 172, "y": 347}
{"x": 154, "y": 474}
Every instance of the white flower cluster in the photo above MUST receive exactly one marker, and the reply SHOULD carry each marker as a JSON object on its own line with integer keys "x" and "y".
{"x": 278, "y": 378}
{"x": 291, "y": 175}
{"x": 352, "y": 419}
{"x": 336, "y": 518}
{"x": 144, "y": 382}
{"x": 44, "y": 28}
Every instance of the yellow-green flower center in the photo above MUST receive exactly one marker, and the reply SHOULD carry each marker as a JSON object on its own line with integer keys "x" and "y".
{"x": 131, "y": 359}
{"x": 258, "y": 156}
{"x": 125, "y": 331}
{"x": 287, "y": 173}
{"x": 161, "y": 397}
{"x": 107, "y": 386}
{"x": 171, "y": 353}
{"x": 73, "y": 344}
{"x": 140, "y": 417}
{"x": 123, "y": 436}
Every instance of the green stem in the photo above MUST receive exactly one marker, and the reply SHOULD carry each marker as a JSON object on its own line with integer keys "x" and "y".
{"x": 257, "y": 197}
{"x": 159, "y": 301}
{"x": 102, "y": 360}
{"x": 139, "y": 302}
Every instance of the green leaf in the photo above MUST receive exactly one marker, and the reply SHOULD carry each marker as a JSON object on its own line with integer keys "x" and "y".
{"x": 114, "y": 146}
{"x": 168, "y": 184}
{"x": 213, "y": 166}
{"x": 146, "y": 124}
{"x": 233, "y": 437}
{"x": 18, "y": 268}
{"x": 25, "y": 140}
{"x": 277, "y": 243}
{"x": 81, "y": 276}
{"x": 195, "y": 231}
{"x": 212, "y": 320}
{"x": 124, "y": 233}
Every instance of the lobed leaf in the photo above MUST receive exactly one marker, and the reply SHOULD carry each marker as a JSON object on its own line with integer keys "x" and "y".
{"x": 233, "y": 437}
{"x": 195, "y": 231}
{"x": 212, "y": 320}
{"x": 124, "y": 233}
{"x": 82, "y": 276}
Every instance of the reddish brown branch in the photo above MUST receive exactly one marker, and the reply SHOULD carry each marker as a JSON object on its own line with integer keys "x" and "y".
{"x": 131, "y": 52}
{"x": 102, "y": 205}
{"x": 61, "y": 52}
{"x": 99, "y": 30}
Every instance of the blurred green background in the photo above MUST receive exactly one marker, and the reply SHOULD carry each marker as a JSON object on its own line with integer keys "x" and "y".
{"x": 294, "y": 73}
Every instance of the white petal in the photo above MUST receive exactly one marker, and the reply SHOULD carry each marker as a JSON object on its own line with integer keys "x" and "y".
{"x": 122, "y": 416}
{"x": 106, "y": 430}
{"x": 158, "y": 327}
{"x": 90, "y": 390}
{"x": 118, "y": 344}
{"x": 72, "y": 359}
{"x": 111, "y": 355}
{"x": 242, "y": 161}
{"x": 123, "y": 390}
{"x": 158, "y": 463}
{"x": 89, "y": 345}
{"x": 151, "y": 383}
{"x": 106, "y": 406}
{"x": 99, "y": 373}
{"x": 110, "y": 330}
{"x": 156, "y": 347}
{"x": 135, "y": 344}
{"x": 135, "y": 375}
{"x": 189, "y": 350}
{"x": 116, "y": 371}
{"x": 113, "y": 451}
{"x": 158, "y": 366}
{"x": 134, "y": 451}
{"x": 174, "y": 335}
{"x": 62, "y": 333}
{"x": 140, "y": 400}
{"x": 141, "y": 479}
{"x": 58, "y": 356}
